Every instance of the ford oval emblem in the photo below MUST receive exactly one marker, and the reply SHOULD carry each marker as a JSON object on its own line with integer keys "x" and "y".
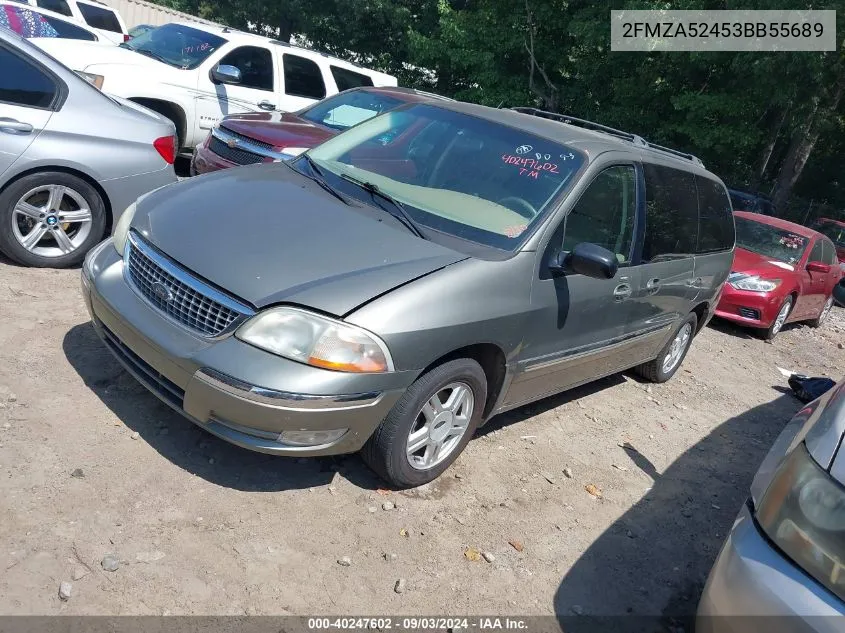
{"x": 162, "y": 292}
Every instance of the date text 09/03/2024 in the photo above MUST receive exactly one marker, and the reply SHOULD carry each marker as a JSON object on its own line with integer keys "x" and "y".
{"x": 418, "y": 623}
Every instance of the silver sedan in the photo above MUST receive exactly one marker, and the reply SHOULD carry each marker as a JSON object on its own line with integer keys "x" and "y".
{"x": 71, "y": 158}
{"x": 782, "y": 567}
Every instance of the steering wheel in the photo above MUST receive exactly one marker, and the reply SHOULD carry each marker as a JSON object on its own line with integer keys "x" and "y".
{"x": 520, "y": 205}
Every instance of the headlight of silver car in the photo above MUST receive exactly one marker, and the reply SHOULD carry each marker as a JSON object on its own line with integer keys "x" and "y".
{"x": 121, "y": 229}
{"x": 316, "y": 340}
{"x": 803, "y": 513}
{"x": 753, "y": 283}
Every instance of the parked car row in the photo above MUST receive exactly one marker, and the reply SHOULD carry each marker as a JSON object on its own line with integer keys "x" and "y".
{"x": 105, "y": 21}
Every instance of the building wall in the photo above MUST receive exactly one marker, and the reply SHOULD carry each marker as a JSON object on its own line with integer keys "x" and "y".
{"x": 136, "y": 12}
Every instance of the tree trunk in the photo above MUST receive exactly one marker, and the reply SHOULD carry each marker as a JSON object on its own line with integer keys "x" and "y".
{"x": 768, "y": 150}
{"x": 285, "y": 28}
{"x": 801, "y": 146}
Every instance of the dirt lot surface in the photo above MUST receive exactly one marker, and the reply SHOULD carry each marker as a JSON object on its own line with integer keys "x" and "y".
{"x": 92, "y": 466}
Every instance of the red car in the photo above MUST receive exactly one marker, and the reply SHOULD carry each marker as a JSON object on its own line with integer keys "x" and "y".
{"x": 835, "y": 230}
{"x": 264, "y": 137}
{"x": 782, "y": 273}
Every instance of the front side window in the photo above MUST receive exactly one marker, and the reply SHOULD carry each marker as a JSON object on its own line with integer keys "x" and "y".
{"x": 671, "y": 227}
{"x": 829, "y": 253}
{"x": 99, "y": 17}
{"x": 347, "y": 109}
{"x": 769, "y": 241}
{"x": 303, "y": 77}
{"x": 23, "y": 84}
{"x": 255, "y": 64}
{"x": 479, "y": 181}
{"x": 346, "y": 79}
{"x": 176, "y": 45}
{"x": 58, "y": 6}
{"x": 605, "y": 212}
{"x": 817, "y": 253}
{"x": 715, "y": 217}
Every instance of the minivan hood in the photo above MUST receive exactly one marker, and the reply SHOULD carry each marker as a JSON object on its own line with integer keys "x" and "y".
{"x": 280, "y": 129}
{"x": 754, "y": 264}
{"x": 269, "y": 235}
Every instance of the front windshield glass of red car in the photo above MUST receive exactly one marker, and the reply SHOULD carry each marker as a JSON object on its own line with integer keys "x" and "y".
{"x": 350, "y": 108}
{"x": 769, "y": 241}
{"x": 176, "y": 45}
{"x": 457, "y": 174}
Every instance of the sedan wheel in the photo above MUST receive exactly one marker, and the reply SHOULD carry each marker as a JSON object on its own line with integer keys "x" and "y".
{"x": 828, "y": 305}
{"x": 50, "y": 219}
{"x": 440, "y": 426}
{"x": 780, "y": 319}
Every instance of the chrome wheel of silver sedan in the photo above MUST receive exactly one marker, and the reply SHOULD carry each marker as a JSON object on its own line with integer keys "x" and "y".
{"x": 677, "y": 349}
{"x": 440, "y": 425}
{"x": 51, "y": 220}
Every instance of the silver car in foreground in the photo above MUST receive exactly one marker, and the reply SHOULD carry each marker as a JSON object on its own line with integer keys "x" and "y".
{"x": 71, "y": 158}
{"x": 785, "y": 555}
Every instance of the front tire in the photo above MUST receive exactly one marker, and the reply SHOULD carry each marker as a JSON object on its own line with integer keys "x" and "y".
{"x": 50, "y": 219}
{"x": 429, "y": 426}
{"x": 780, "y": 320}
{"x": 672, "y": 355}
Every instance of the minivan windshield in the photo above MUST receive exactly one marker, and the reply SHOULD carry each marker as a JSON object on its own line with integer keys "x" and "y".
{"x": 176, "y": 45}
{"x": 769, "y": 241}
{"x": 454, "y": 173}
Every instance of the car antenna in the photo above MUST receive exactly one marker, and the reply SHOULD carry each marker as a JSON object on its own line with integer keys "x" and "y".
{"x": 501, "y": 103}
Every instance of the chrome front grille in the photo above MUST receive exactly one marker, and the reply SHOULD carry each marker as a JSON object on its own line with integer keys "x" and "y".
{"x": 246, "y": 139}
{"x": 234, "y": 154}
{"x": 178, "y": 294}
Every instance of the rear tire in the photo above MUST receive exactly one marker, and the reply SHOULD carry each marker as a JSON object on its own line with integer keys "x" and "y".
{"x": 673, "y": 353}
{"x": 50, "y": 219}
{"x": 780, "y": 320}
{"x": 828, "y": 306}
{"x": 389, "y": 450}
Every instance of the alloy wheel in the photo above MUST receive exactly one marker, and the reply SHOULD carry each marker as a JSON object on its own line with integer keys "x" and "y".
{"x": 781, "y": 318}
{"x": 677, "y": 349}
{"x": 440, "y": 426}
{"x": 51, "y": 220}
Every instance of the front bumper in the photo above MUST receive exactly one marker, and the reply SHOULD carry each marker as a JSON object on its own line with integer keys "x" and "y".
{"x": 204, "y": 161}
{"x": 753, "y": 309}
{"x": 752, "y": 587}
{"x": 236, "y": 391}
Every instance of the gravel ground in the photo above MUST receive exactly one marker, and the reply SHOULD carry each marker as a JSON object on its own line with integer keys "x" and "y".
{"x": 141, "y": 512}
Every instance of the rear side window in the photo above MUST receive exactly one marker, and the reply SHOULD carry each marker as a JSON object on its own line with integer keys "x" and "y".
{"x": 23, "y": 84}
{"x": 715, "y": 217}
{"x": 346, "y": 79}
{"x": 59, "y": 6}
{"x": 99, "y": 17}
{"x": 303, "y": 77}
{"x": 671, "y": 213}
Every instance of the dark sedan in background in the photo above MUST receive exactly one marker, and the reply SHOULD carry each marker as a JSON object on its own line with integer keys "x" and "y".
{"x": 248, "y": 139}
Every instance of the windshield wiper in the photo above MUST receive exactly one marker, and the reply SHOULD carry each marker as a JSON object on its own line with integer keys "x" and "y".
{"x": 155, "y": 56}
{"x": 403, "y": 216}
{"x": 318, "y": 177}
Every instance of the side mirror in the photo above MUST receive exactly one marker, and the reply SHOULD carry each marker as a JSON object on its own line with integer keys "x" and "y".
{"x": 818, "y": 267}
{"x": 225, "y": 74}
{"x": 590, "y": 260}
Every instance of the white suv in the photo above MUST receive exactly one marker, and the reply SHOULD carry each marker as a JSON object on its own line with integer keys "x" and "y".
{"x": 196, "y": 74}
{"x": 99, "y": 16}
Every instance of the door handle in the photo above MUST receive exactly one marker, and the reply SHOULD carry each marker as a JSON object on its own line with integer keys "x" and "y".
{"x": 13, "y": 126}
{"x": 653, "y": 286}
{"x": 621, "y": 292}
{"x": 266, "y": 105}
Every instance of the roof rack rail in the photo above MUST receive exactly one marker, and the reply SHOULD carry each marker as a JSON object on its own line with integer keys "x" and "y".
{"x": 639, "y": 141}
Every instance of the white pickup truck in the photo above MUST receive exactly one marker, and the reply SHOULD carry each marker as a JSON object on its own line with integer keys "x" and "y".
{"x": 196, "y": 74}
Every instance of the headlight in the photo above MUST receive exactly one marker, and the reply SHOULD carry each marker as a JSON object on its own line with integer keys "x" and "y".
{"x": 754, "y": 283}
{"x": 121, "y": 229}
{"x": 94, "y": 80}
{"x": 316, "y": 340}
{"x": 803, "y": 512}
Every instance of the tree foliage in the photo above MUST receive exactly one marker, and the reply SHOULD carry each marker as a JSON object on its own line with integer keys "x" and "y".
{"x": 773, "y": 122}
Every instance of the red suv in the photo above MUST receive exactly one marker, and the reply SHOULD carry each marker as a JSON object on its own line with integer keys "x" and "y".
{"x": 263, "y": 137}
